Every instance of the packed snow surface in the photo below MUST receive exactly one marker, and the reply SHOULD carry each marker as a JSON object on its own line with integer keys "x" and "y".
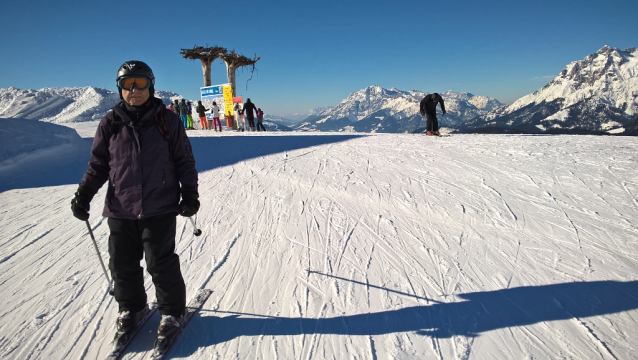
{"x": 387, "y": 246}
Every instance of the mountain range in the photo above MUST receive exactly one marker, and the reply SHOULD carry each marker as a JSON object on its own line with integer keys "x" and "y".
{"x": 64, "y": 105}
{"x": 595, "y": 95}
{"x": 69, "y": 105}
{"x": 375, "y": 109}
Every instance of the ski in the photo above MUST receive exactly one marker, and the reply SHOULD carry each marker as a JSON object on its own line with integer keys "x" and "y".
{"x": 121, "y": 342}
{"x": 437, "y": 135}
{"x": 164, "y": 344}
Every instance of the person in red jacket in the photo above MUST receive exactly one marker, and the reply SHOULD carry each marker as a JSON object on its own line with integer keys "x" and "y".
{"x": 260, "y": 120}
{"x": 143, "y": 152}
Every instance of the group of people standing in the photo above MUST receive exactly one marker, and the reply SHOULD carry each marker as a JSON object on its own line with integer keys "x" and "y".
{"x": 247, "y": 114}
{"x": 183, "y": 109}
{"x": 242, "y": 114}
{"x": 208, "y": 124}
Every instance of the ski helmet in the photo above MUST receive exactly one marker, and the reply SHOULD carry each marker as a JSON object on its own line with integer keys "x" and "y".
{"x": 136, "y": 68}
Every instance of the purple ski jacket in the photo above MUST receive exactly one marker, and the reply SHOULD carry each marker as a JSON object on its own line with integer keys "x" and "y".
{"x": 143, "y": 168}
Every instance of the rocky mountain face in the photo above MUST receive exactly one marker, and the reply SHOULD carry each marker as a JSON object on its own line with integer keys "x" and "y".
{"x": 595, "y": 95}
{"x": 375, "y": 109}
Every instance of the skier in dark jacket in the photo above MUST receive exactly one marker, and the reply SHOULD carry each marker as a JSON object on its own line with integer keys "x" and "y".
{"x": 183, "y": 113}
{"x": 143, "y": 151}
{"x": 175, "y": 107}
{"x": 428, "y": 107}
{"x": 201, "y": 111}
{"x": 250, "y": 115}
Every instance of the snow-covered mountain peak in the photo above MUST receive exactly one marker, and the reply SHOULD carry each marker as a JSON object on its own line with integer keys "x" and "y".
{"x": 371, "y": 95}
{"x": 371, "y": 99}
{"x": 63, "y": 105}
{"x": 606, "y": 64}
{"x": 376, "y": 109}
{"x": 597, "y": 93}
{"x": 56, "y": 104}
{"x": 360, "y": 104}
{"x": 609, "y": 75}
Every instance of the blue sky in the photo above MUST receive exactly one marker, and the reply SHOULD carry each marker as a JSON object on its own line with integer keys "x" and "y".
{"x": 313, "y": 54}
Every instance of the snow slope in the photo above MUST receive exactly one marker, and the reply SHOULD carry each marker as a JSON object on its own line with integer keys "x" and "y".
{"x": 33, "y": 151}
{"x": 368, "y": 247}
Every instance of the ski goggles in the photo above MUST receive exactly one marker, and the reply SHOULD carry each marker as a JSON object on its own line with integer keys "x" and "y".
{"x": 127, "y": 83}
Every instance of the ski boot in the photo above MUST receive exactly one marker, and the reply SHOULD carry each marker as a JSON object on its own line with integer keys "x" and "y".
{"x": 428, "y": 133}
{"x": 127, "y": 320}
{"x": 436, "y": 133}
{"x": 126, "y": 324}
{"x": 168, "y": 328}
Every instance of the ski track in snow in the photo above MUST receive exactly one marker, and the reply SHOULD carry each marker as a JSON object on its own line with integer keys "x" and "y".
{"x": 374, "y": 247}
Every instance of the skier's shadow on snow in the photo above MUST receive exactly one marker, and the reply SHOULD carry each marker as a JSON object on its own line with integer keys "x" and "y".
{"x": 214, "y": 152}
{"x": 209, "y": 152}
{"x": 470, "y": 315}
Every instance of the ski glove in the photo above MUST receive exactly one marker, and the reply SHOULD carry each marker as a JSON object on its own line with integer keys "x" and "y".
{"x": 189, "y": 204}
{"x": 80, "y": 204}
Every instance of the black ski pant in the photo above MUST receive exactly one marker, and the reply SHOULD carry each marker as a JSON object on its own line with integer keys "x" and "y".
{"x": 154, "y": 239}
{"x": 260, "y": 126}
{"x": 432, "y": 122}
{"x": 251, "y": 122}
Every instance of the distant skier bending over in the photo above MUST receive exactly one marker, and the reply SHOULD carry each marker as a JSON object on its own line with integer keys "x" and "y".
{"x": 143, "y": 152}
{"x": 428, "y": 107}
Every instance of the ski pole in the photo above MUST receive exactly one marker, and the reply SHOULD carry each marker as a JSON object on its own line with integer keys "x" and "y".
{"x": 197, "y": 231}
{"x": 100, "y": 257}
{"x": 417, "y": 125}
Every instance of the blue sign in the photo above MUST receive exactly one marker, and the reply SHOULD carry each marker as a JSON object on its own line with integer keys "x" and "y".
{"x": 211, "y": 92}
{"x": 217, "y": 90}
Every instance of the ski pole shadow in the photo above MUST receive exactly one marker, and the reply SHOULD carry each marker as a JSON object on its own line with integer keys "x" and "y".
{"x": 310, "y": 272}
{"x": 479, "y": 312}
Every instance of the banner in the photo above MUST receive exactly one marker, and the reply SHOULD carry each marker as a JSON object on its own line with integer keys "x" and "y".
{"x": 228, "y": 100}
{"x": 213, "y": 93}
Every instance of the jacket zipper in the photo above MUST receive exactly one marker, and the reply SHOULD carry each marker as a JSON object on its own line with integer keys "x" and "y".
{"x": 139, "y": 155}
